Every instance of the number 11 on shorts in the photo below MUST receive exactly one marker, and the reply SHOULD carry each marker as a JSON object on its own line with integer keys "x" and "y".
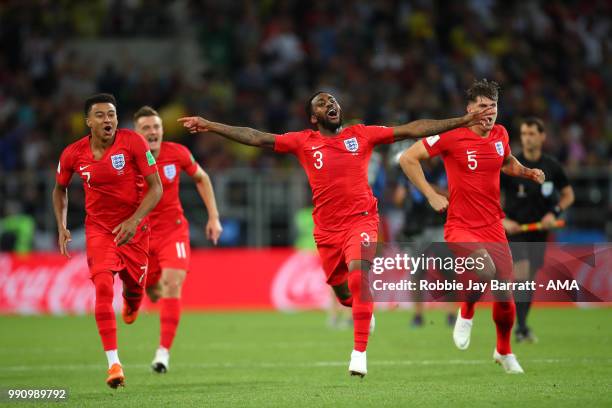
{"x": 180, "y": 250}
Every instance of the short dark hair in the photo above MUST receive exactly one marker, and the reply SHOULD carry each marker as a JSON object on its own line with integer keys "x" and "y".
{"x": 99, "y": 98}
{"x": 485, "y": 88}
{"x": 309, "y": 103}
{"x": 532, "y": 120}
{"x": 144, "y": 112}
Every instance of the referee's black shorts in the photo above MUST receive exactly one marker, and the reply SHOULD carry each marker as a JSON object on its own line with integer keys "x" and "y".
{"x": 524, "y": 246}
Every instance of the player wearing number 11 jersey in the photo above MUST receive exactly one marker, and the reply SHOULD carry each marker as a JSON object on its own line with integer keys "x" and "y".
{"x": 169, "y": 249}
{"x": 345, "y": 214}
{"x": 473, "y": 157}
{"x": 112, "y": 164}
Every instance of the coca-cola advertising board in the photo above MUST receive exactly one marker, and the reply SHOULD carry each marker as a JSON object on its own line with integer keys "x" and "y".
{"x": 220, "y": 279}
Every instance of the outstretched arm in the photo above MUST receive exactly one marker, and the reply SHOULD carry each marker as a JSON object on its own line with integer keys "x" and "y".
{"x": 429, "y": 127}
{"x": 514, "y": 168}
{"x": 244, "y": 135}
{"x": 205, "y": 189}
{"x": 60, "y": 208}
{"x": 410, "y": 163}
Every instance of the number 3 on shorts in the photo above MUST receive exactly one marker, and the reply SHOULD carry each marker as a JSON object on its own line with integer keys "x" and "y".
{"x": 365, "y": 239}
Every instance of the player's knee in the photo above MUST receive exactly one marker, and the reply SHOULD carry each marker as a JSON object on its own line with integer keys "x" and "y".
{"x": 487, "y": 270}
{"x": 172, "y": 281}
{"x": 359, "y": 265}
{"x": 521, "y": 270}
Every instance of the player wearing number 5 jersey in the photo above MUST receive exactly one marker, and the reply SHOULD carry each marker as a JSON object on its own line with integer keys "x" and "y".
{"x": 169, "y": 250}
{"x": 473, "y": 157}
{"x": 345, "y": 214}
{"x": 112, "y": 164}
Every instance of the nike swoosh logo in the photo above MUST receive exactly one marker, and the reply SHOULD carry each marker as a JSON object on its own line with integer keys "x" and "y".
{"x": 84, "y": 167}
{"x": 317, "y": 147}
{"x": 470, "y": 152}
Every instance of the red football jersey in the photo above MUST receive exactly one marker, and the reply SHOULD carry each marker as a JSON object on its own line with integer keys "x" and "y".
{"x": 337, "y": 170}
{"x": 473, "y": 164}
{"x": 113, "y": 184}
{"x": 172, "y": 158}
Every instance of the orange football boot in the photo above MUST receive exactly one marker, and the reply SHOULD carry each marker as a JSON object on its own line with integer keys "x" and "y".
{"x": 129, "y": 316}
{"x": 115, "y": 376}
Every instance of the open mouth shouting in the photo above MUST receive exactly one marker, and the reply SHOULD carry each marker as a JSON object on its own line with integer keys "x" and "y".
{"x": 108, "y": 130}
{"x": 332, "y": 114}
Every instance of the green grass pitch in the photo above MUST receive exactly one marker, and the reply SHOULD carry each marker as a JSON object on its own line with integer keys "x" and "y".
{"x": 273, "y": 359}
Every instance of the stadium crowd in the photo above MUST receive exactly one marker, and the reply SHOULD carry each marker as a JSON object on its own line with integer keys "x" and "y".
{"x": 388, "y": 62}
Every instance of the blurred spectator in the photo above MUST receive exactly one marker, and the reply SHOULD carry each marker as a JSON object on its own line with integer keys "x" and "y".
{"x": 388, "y": 61}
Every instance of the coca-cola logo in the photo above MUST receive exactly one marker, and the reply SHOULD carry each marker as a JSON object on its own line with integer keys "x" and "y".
{"x": 300, "y": 284}
{"x": 47, "y": 284}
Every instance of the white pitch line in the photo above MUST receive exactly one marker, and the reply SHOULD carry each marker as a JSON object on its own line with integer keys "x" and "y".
{"x": 313, "y": 364}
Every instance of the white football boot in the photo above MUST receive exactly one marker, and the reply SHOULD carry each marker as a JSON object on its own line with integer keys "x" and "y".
{"x": 359, "y": 364}
{"x": 161, "y": 361}
{"x": 462, "y": 332}
{"x": 509, "y": 363}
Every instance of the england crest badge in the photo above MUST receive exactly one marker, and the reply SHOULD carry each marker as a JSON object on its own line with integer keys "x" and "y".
{"x": 351, "y": 144}
{"x": 499, "y": 146}
{"x": 170, "y": 171}
{"x": 118, "y": 161}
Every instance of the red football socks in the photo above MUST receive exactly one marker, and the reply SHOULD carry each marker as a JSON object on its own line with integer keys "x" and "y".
{"x": 503, "y": 316}
{"x": 169, "y": 316}
{"x": 104, "y": 313}
{"x": 467, "y": 310}
{"x": 362, "y": 311}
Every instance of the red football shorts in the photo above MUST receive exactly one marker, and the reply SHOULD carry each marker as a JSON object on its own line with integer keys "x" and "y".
{"x": 337, "y": 249}
{"x": 465, "y": 241}
{"x": 169, "y": 248}
{"x": 130, "y": 260}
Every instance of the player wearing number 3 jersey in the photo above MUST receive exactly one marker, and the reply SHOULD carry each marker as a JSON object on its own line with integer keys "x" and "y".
{"x": 345, "y": 213}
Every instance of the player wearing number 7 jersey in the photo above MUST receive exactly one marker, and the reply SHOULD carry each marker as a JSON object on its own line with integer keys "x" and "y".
{"x": 473, "y": 157}
{"x": 345, "y": 214}
{"x": 112, "y": 164}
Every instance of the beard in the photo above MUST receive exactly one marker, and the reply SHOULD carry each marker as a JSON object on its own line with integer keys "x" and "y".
{"x": 326, "y": 124}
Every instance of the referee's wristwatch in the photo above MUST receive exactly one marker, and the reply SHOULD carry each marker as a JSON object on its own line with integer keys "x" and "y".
{"x": 557, "y": 210}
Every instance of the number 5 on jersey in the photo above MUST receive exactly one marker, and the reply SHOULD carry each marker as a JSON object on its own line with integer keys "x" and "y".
{"x": 471, "y": 156}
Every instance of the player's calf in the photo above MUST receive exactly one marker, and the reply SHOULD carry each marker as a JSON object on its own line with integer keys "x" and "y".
{"x": 154, "y": 292}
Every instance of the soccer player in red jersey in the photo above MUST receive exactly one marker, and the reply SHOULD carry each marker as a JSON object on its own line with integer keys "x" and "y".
{"x": 112, "y": 164}
{"x": 345, "y": 213}
{"x": 473, "y": 157}
{"x": 169, "y": 249}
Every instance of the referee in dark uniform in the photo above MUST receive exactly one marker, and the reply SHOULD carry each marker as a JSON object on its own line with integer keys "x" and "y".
{"x": 528, "y": 202}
